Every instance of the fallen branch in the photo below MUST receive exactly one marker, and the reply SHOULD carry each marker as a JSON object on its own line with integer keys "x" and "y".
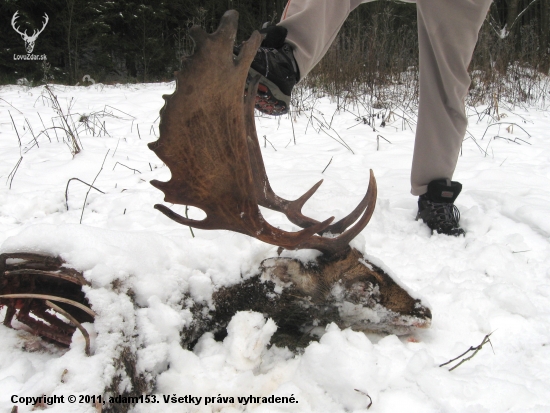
{"x": 475, "y": 350}
{"x": 365, "y": 394}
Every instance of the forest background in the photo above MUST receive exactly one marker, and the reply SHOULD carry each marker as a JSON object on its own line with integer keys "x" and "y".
{"x": 145, "y": 41}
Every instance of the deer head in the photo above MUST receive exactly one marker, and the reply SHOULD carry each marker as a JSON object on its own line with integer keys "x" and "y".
{"x": 208, "y": 141}
{"x": 29, "y": 40}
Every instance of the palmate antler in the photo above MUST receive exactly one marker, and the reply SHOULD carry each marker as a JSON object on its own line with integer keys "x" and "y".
{"x": 208, "y": 141}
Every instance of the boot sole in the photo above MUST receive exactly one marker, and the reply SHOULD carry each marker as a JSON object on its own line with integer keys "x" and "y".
{"x": 269, "y": 99}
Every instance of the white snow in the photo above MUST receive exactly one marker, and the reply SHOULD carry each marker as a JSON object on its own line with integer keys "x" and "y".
{"x": 495, "y": 280}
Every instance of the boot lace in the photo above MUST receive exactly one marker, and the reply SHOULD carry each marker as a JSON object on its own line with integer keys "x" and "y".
{"x": 443, "y": 217}
{"x": 445, "y": 213}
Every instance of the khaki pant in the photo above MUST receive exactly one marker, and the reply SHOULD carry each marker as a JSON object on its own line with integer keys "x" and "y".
{"x": 447, "y": 35}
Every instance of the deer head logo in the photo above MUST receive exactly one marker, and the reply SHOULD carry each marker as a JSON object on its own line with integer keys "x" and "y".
{"x": 29, "y": 40}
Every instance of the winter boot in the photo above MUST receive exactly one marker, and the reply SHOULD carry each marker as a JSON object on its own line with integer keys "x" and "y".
{"x": 436, "y": 207}
{"x": 278, "y": 71}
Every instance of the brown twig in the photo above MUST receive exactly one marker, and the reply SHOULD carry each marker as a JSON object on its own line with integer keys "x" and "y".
{"x": 32, "y": 132}
{"x": 121, "y": 111}
{"x": 132, "y": 169}
{"x": 14, "y": 171}
{"x": 93, "y": 182}
{"x": 113, "y": 155}
{"x": 11, "y": 105}
{"x": 67, "y": 190}
{"x": 65, "y": 122}
{"x": 186, "y": 216}
{"x": 365, "y": 394}
{"x": 475, "y": 350}
{"x": 267, "y": 140}
{"x": 504, "y": 123}
{"x": 16, "y": 131}
{"x": 45, "y": 129}
{"x": 327, "y": 164}
{"x": 378, "y": 141}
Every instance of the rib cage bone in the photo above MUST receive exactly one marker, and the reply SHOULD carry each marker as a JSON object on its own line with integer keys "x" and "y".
{"x": 208, "y": 141}
{"x": 35, "y": 287}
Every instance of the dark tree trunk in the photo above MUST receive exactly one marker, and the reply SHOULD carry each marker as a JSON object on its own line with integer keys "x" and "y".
{"x": 513, "y": 11}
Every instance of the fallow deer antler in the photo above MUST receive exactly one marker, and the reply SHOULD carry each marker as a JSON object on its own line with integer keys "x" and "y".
{"x": 203, "y": 140}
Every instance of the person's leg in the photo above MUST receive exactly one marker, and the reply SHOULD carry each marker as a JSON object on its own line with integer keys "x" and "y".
{"x": 447, "y": 34}
{"x": 312, "y": 27}
{"x": 293, "y": 47}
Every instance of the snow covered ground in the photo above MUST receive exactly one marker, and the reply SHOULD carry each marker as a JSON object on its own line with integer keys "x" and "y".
{"x": 495, "y": 280}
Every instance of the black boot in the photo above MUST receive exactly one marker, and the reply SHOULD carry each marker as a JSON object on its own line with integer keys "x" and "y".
{"x": 436, "y": 207}
{"x": 278, "y": 71}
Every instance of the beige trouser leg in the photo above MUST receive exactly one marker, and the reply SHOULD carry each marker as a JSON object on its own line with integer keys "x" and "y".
{"x": 447, "y": 34}
{"x": 312, "y": 26}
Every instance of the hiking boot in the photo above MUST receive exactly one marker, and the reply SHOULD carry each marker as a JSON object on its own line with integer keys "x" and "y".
{"x": 278, "y": 71}
{"x": 436, "y": 207}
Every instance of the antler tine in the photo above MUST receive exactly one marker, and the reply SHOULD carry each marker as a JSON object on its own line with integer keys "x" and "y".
{"x": 46, "y": 20}
{"x": 225, "y": 34}
{"x": 266, "y": 197}
{"x": 340, "y": 243}
{"x": 265, "y": 194}
{"x": 13, "y": 21}
{"x": 340, "y": 226}
{"x": 267, "y": 233}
